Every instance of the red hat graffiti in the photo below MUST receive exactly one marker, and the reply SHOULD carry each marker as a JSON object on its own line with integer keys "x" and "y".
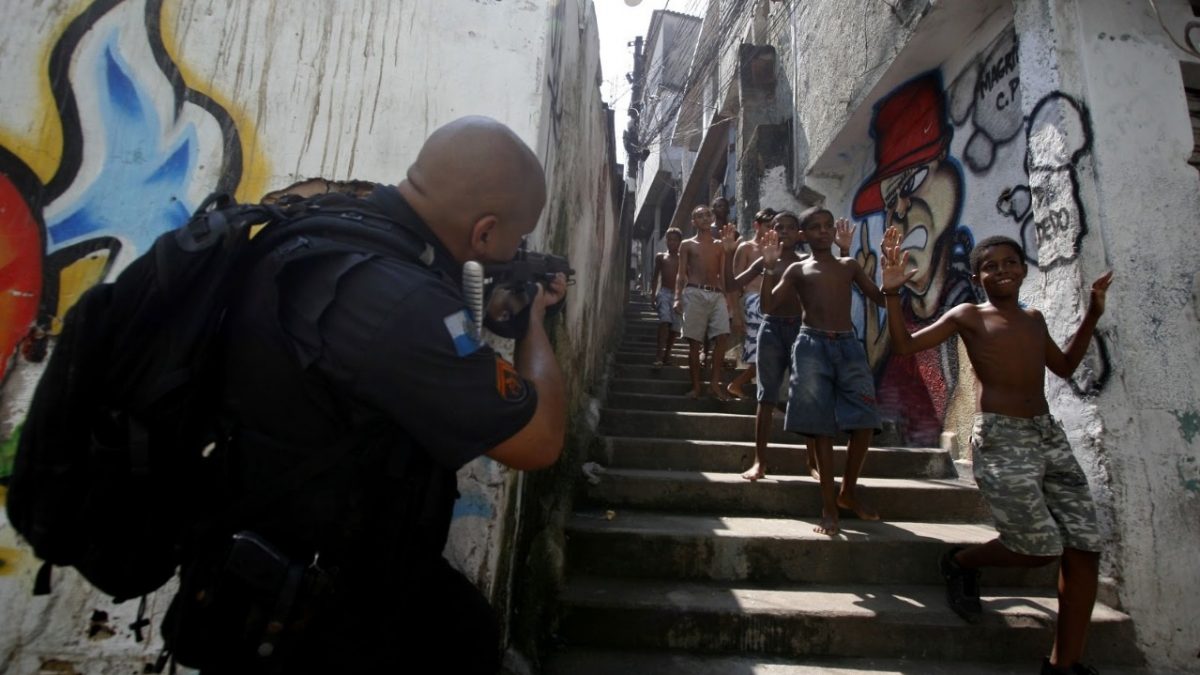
{"x": 910, "y": 129}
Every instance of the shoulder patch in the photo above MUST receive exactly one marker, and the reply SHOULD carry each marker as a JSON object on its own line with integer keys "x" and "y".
{"x": 509, "y": 383}
{"x": 459, "y": 326}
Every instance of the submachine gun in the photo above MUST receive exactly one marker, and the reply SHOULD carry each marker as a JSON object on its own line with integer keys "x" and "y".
{"x": 500, "y": 294}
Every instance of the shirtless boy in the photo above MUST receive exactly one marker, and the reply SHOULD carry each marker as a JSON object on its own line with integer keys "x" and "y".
{"x": 778, "y": 331}
{"x": 666, "y": 268}
{"x": 832, "y": 387}
{"x": 700, "y": 296}
{"x": 741, "y": 256}
{"x": 1022, "y": 462}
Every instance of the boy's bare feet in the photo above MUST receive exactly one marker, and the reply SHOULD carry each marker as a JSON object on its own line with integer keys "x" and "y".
{"x": 719, "y": 393}
{"x": 735, "y": 391}
{"x": 755, "y": 472}
{"x": 863, "y": 510}
{"x": 829, "y": 524}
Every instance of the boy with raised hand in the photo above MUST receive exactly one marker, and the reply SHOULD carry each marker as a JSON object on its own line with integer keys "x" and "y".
{"x": 739, "y": 257}
{"x": 666, "y": 268}
{"x": 832, "y": 388}
{"x": 779, "y": 328}
{"x": 1022, "y": 461}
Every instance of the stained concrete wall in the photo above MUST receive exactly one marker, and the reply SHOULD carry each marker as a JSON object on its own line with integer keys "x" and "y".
{"x": 1061, "y": 124}
{"x": 1141, "y": 201}
{"x": 120, "y": 115}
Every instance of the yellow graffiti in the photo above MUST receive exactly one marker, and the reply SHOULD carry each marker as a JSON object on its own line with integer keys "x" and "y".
{"x": 255, "y": 170}
{"x": 75, "y": 279}
{"x": 10, "y": 559}
{"x": 41, "y": 148}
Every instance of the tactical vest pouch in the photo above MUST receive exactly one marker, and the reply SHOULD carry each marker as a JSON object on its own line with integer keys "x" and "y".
{"x": 254, "y": 604}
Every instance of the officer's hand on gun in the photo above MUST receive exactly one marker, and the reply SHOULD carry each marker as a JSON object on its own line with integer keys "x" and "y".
{"x": 531, "y": 286}
{"x": 550, "y": 293}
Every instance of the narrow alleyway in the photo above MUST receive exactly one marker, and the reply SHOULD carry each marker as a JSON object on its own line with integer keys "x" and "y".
{"x": 675, "y": 564}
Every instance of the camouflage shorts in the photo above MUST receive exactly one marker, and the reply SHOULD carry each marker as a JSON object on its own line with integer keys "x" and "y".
{"x": 1038, "y": 495}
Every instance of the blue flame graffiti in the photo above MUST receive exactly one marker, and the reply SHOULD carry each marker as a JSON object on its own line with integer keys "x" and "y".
{"x": 140, "y": 191}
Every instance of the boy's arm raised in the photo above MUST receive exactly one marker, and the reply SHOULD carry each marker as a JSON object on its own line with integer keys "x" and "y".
{"x": 770, "y": 256}
{"x": 844, "y": 235}
{"x": 747, "y": 275}
{"x": 866, "y": 284}
{"x": 1064, "y": 362}
{"x": 894, "y": 276}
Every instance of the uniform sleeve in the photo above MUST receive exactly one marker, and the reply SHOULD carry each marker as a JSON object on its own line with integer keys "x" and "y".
{"x": 400, "y": 347}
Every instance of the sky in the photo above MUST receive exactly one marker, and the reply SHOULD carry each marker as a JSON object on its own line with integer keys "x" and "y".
{"x": 619, "y": 23}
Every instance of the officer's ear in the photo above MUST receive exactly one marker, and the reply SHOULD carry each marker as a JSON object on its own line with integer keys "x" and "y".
{"x": 481, "y": 234}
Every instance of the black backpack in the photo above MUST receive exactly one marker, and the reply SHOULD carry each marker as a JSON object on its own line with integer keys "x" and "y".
{"x": 115, "y": 468}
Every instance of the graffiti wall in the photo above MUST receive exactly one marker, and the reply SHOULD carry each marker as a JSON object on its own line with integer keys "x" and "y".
{"x": 104, "y": 146}
{"x": 120, "y": 116}
{"x": 952, "y": 166}
{"x": 1065, "y": 125}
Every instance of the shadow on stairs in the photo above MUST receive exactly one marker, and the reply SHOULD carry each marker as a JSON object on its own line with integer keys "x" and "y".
{"x": 675, "y": 564}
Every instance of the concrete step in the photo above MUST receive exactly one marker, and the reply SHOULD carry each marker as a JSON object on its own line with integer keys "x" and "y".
{"x": 858, "y": 620}
{"x": 678, "y": 372}
{"x": 650, "y": 386}
{"x": 646, "y": 356}
{"x": 705, "y": 426}
{"x": 650, "y": 339}
{"x": 677, "y": 402}
{"x": 933, "y": 500}
{"x": 782, "y": 459}
{"x": 644, "y": 544}
{"x": 663, "y": 662}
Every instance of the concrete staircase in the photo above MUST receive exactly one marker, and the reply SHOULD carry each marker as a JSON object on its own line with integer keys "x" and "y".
{"x": 675, "y": 564}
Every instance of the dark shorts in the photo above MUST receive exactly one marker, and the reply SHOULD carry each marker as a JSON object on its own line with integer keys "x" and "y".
{"x": 663, "y": 303}
{"x": 775, "y": 339}
{"x": 832, "y": 388}
{"x": 1038, "y": 495}
{"x": 753, "y": 316}
{"x": 444, "y": 617}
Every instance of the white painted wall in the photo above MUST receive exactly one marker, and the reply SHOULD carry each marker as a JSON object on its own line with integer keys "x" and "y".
{"x": 341, "y": 91}
{"x": 1143, "y": 218}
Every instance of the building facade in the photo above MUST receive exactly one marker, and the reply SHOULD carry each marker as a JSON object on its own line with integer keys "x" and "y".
{"x": 1063, "y": 124}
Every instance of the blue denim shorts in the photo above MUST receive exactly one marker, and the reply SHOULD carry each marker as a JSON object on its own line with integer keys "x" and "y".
{"x": 663, "y": 305}
{"x": 832, "y": 387}
{"x": 775, "y": 339}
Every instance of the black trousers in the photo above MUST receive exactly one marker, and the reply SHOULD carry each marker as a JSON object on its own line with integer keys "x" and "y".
{"x": 441, "y": 623}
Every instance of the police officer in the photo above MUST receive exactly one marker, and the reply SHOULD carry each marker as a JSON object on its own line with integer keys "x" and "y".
{"x": 365, "y": 349}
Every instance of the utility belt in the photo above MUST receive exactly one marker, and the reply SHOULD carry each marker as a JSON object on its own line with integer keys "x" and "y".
{"x": 249, "y": 604}
{"x": 253, "y": 603}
